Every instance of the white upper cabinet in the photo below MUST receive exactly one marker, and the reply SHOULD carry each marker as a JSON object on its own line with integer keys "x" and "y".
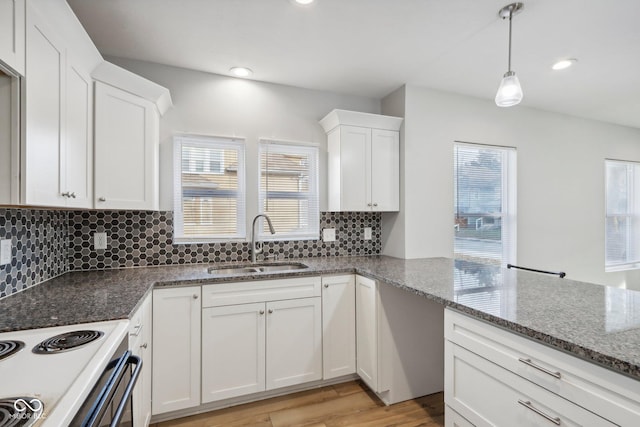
{"x": 45, "y": 106}
{"x": 126, "y": 140}
{"x": 57, "y": 151}
{"x": 363, "y": 161}
{"x": 12, "y": 21}
{"x": 77, "y": 170}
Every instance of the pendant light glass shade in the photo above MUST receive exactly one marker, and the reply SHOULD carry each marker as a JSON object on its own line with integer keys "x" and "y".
{"x": 509, "y": 92}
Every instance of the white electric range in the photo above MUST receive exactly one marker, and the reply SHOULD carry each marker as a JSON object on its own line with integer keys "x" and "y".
{"x": 55, "y": 384}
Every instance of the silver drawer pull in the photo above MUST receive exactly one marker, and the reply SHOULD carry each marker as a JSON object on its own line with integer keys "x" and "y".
{"x": 540, "y": 368}
{"x": 270, "y": 311}
{"x": 527, "y": 404}
{"x": 143, "y": 345}
{"x": 326, "y": 285}
{"x": 136, "y": 331}
{"x": 261, "y": 312}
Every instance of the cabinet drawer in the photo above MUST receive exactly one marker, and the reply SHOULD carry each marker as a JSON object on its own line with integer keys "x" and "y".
{"x": 609, "y": 394}
{"x": 260, "y": 291}
{"x": 486, "y": 395}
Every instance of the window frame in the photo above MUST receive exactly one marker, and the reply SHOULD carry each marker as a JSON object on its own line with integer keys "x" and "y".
{"x": 633, "y": 211}
{"x": 313, "y": 231}
{"x": 241, "y": 194}
{"x": 508, "y": 213}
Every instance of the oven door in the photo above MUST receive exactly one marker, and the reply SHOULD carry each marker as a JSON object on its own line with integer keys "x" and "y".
{"x": 109, "y": 403}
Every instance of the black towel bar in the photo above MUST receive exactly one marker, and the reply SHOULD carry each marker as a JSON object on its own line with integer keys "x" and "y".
{"x": 561, "y": 274}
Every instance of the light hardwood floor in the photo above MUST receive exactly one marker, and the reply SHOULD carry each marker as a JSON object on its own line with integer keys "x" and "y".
{"x": 345, "y": 405}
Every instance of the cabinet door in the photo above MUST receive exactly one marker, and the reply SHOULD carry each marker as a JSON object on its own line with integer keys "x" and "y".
{"x": 44, "y": 114}
{"x": 338, "y": 326}
{"x": 77, "y": 157}
{"x": 233, "y": 351}
{"x": 294, "y": 342}
{"x": 140, "y": 345}
{"x": 12, "y": 44}
{"x": 385, "y": 167}
{"x": 176, "y": 349}
{"x": 355, "y": 168}
{"x": 367, "y": 331}
{"x": 126, "y": 139}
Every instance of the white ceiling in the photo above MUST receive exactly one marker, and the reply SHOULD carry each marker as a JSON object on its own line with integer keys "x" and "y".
{"x": 371, "y": 47}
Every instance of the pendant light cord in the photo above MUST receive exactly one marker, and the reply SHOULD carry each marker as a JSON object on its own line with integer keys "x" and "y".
{"x": 510, "y": 16}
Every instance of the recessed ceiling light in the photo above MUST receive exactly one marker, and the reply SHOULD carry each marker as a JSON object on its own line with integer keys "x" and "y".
{"x": 240, "y": 71}
{"x": 302, "y": 2}
{"x": 564, "y": 63}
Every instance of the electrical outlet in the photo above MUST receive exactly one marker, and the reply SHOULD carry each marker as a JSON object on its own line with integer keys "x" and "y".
{"x": 329, "y": 234}
{"x": 100, "y": 240}
{"x": 367, "y": 233}
{"x": 5, "y": 251}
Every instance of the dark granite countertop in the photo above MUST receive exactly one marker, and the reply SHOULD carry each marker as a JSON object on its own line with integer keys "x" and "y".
{"x": 597, "y": 323}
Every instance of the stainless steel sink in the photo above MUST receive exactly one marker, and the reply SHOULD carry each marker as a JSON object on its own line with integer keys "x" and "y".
{"x": 265, "y": 268}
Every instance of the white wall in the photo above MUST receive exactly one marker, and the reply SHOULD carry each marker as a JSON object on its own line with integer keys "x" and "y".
{"x": 210, "y": 104}
{"x": 560, "y": 179}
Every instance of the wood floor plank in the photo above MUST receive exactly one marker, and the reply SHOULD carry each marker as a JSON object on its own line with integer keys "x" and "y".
{"x": 349, "y": 404}
{"x": 323, "y": 411}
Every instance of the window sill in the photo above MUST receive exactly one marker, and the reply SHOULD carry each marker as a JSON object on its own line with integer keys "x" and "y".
{"x": 622, "y": 267}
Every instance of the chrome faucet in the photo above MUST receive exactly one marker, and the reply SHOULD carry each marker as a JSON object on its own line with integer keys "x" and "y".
{"x": 257, "y": 247}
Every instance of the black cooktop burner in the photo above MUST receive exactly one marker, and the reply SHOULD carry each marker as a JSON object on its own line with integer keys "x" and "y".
{"x": 66, "y": 341}
{"x": 7, "y": 348}
{"x": 20, "y": 411}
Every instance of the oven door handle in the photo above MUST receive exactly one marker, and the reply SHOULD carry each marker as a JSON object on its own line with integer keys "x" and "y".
{"x": 103, "y": 402}
{"x": 122, "y": 405}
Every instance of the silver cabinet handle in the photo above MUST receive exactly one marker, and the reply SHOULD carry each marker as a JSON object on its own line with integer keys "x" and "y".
{"x": 102, "y": 199}
{"x": 369, "y": 204}
{"x": 375, "y": 204}
{"x": 136, "y": 331}
{"x": 65, "y": 194}
{"x": 270, "y": 310}
{"x": 143, "y": 345}
{"x": 528, "y": 362}
{"x": 195, "y": 296}
{"x": 261, "y": 312}
{"x": 73, "y": 195}
{"x": 527, "y": 404}
{"x": 326, "y": 285}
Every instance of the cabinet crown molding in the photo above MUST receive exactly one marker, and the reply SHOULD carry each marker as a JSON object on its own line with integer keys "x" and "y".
{"x": 356, "y": 118}
{"x": 118, "y": 77}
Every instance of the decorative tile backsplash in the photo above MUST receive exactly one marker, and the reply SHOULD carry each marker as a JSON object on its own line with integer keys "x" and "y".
{"x": 47, "y": 243}
{"x": 39, "y": 241}
{"x": 142, "y": 238}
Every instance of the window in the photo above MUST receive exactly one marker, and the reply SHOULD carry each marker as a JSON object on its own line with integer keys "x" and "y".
{"x": 484, "y": 203}
{"x": 289, "y": 190}
{"x": 622, "y": 222}
{"x": 209, "y": 189}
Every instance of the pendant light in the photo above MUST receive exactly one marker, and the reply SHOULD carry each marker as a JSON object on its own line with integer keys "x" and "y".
{"x": 509, "y": 92}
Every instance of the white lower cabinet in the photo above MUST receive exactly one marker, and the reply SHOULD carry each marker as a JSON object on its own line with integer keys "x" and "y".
{"x": 233, "y": 349}
{"x": 140, "y": 345}
{"x": 294, "y": 342}
{"x": 259, "y": 336}
{"x": 399, "y": 341}
{"x": 248, "y": 348}
{"x": 367, "y": 331}
{"x": 176, "y": 348}
{"x": 513, "y": 400}
{"x": 338, "y": 326}
{"x": 494, "y": 377}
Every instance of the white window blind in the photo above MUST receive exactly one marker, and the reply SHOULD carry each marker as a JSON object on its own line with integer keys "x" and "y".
{"x": 622, "y": 222}
{"x": 209, "y": 189}
{"x": 288, "y": 191}
{"x": 484, "y": 202}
